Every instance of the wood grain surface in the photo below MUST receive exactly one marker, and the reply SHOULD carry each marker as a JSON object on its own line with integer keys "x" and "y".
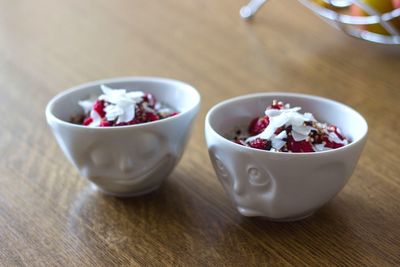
{"x": 50, "y": 216}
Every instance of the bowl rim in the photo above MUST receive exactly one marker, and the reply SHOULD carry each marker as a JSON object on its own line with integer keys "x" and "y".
{"x": 277, "y": 93}
{"x": 50, "y": 105}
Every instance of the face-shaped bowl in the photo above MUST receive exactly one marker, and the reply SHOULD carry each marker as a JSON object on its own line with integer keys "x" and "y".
{"x": 127, "y": 160}
{"x": 281, "y": 186}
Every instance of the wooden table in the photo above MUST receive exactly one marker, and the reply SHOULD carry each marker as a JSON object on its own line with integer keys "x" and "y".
{"x": 50, "y": 216}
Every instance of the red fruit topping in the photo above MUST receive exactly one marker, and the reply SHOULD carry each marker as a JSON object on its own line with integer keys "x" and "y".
{"x": 279, "y": 130}
{"x": 98, "y": 106}
{"x": 276, "y": 105}
{"x": 258, "y": 125}
{"x": 151, "y": 116}
{"x": 299, "y": 146}
{"x": 87, "y": 121}
{"x": 134, "y": 121}
{"x": 173, "y": 114}
{"x": 260, "y": 144}
{"x": 331, "y": 144}
{"x": 150, "y": 99}
{"x": 105, "y": 123}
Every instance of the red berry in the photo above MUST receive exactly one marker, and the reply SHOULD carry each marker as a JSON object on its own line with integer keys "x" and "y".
{"x": 260, "y": 144}
{"x": 98, "y": 106}
{"x": 87, "y": 121}
{"x": 331, "y": 144}
{"x": 279, "y": 130}
{"x": 299, "y": 146}
{"x": 149, "y": 116}
{"x": 173, "y": 114}
{"x": 276, "y": 105}
{"x": 105, "y": 123}
{"x": 134, "y": 121}
{"x": 257, "y": 125}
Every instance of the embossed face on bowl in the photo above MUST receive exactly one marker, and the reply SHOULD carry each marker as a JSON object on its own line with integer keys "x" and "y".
{"x": 134, "y": 159}
{"x": 126, "y": 160}
{"x": 249, "y": 184}
{"x": 279, "y": 185}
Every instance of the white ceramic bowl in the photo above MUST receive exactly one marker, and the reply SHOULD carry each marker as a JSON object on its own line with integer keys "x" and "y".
{"x": 127, "y": 160}
{"x": 282, "y": 186}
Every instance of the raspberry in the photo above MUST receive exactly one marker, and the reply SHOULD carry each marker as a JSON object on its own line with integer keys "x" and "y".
{"x": 299, "y": 146}
{"x": 276, "y": 105}
{"x": 98, "y": 106}
{"x": 260, "y": 144}
{"x": 151, "y": 116}
{"x": 331, "y": 144}
{"x": 87, "y": 121}
{"x": 279, "y": 130}
{"x": 257, "y": 125}
{"x": 105, "y": 123}
{"x": 134, "y": 121}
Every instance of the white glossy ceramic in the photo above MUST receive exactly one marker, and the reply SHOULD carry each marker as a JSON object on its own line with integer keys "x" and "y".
{"x": 281, "y": 186}
{"x": 126, "y": 160}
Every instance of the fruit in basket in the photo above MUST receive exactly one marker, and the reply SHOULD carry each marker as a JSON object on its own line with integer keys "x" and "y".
{"x": 381, "y": 6}
{"x": 396, "y": 3}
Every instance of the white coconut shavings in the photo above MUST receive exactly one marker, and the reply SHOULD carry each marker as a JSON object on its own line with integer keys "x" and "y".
{"x": 86, "y": 105}
{"x": 285, "y": 117}
{"x": 320, "y": 147}
{"x": 120, "y": 105}
{"x": 96, "y": 119}
{"x": 277, "y": 141}
{"x": 332, "y": 136}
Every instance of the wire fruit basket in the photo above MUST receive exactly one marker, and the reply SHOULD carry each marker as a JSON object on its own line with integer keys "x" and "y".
{"x": 356, "y": 18}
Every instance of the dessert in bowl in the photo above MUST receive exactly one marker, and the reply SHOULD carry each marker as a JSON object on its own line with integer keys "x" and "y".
{"x": 124, "y": 156}
{"x": 282, "y": 186}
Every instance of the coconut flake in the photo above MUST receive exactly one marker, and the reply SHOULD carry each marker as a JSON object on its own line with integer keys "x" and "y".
{"x": 96, "y": 119}
{"x": 281, "y": 135}
{"x": 86, "y": 105}
{"x": 277, "y": 143}
{"x": 304, "y": 130}
{"x": 332, "y": 136}
{"x": 298, "y": 137}
{"x": 121, "y": 105}
{"x": 320, "y": 147}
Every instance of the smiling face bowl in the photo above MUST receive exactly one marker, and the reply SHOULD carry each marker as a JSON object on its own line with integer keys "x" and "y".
{"x": 281, "y": 186}
{"x": 126, "y": 160}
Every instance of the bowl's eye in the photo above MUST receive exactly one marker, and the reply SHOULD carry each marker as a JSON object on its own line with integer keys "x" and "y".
{"x": 101, "y": 157}
{"x": 256, "y": 177}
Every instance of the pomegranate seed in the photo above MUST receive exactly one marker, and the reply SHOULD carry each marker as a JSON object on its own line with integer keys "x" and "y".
{"x": 299, "y": 146}
{"x": 260, "y": 144}
{"x": 276, "y": 105}
{"x": 105, "y": 123}
{"x": 331, "y": 144}
{"x": 257, "y": 125}
{"x": 87, "y": 121}
{"x": 151, "y": 116}
{"x": 279, "y": 130}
